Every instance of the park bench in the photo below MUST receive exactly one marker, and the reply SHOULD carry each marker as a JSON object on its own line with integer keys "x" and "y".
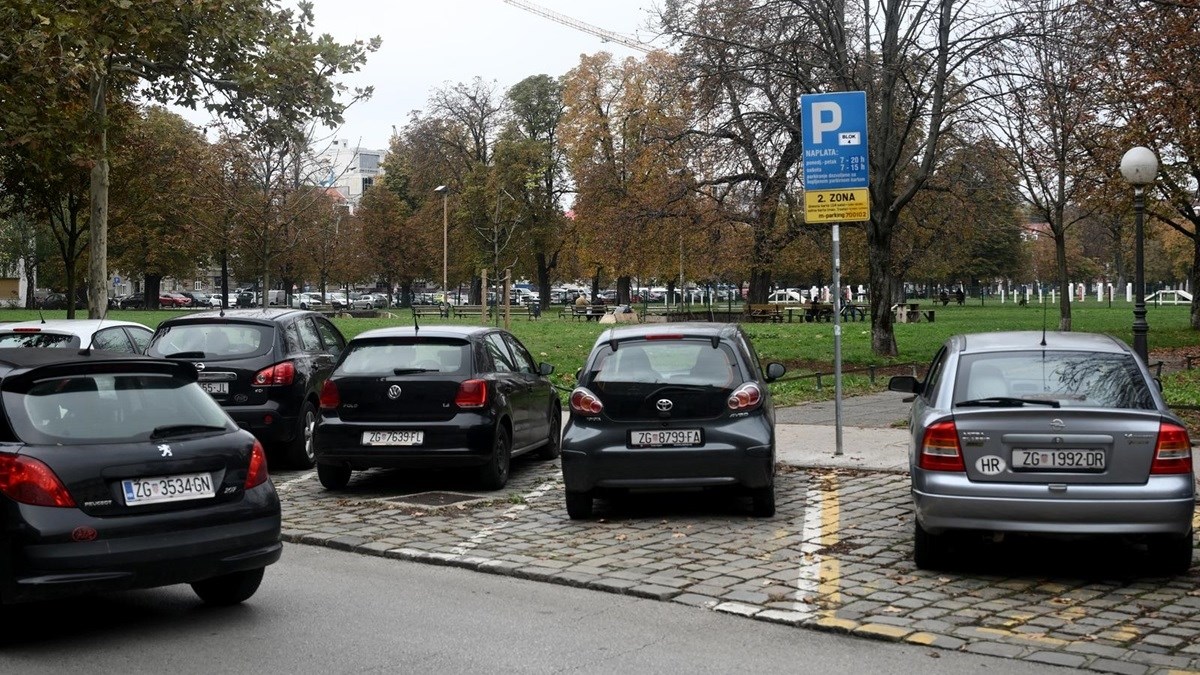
{"x": 428, "y": 310}
{"x": 764, "y": 312}
{"x": 818, "y": 311}
{"x": 589, "y": 312}
{"x": 911, "y": 312}
{"x": 472, "y": 311}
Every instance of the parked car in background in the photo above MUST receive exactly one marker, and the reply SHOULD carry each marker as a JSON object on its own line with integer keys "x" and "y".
{"x": 60, "y": 301}
{"x": 369, "y": 301}
{"x": 337, "y": 301}
{"x": 168, "y": 300}
{"x": 197, "y": 298}
{"x": 120, "y": 473}
{"x": 107, "y": 334}
{"x": 667, "y": 406}
{"x": 1048, "y": 434}
{"x": 468, "y": 397}
{"x": 264, "y": 366}
{"x": 308, "y": 301}
{"x": 786, "y": 296}
{"x": 133, "y": 301}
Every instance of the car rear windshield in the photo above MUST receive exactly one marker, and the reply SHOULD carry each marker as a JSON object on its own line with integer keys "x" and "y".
{"x": 1072, "y": 378}
{"x": 212, "y": 340}
{"x": 107, "y": 408}
{"x": 674, "y": 361}
{"x": 416, "y": 354}
{"x": 37, "y": 339}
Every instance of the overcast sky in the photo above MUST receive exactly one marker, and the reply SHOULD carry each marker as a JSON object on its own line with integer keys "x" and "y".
{"x": 429, "y": 43}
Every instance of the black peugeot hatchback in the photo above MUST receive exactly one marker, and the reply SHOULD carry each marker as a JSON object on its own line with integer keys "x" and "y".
{"x": 444, "y": 396}
{"x": 264, "y": 366}
{"x": 118, "y": 472}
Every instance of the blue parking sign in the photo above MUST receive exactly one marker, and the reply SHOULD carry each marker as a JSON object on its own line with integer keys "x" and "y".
{"x": 836, "y": 166}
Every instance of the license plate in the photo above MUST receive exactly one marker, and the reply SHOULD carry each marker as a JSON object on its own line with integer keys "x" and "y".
{"x": 1057, "y": 460}
{"x": 393, "y": 437}
{"x": 139, "y": 491}
{"x": 215, "y": 387}
{"x": 664, "y": 438}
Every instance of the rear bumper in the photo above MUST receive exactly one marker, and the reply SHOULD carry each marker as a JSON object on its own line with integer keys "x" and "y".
{"x": 740, "y": 454}
{"x": 270, "y": 422}
{"x": 464, "y": 440}
{"x": 1163, "y": 505}
{"x": 138, "y": 552}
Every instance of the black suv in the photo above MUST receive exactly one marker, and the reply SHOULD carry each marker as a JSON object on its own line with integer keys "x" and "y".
{"x": 265, "y": 366}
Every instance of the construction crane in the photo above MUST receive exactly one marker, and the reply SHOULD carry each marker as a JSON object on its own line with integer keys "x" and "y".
{"x": 606, "y": 35}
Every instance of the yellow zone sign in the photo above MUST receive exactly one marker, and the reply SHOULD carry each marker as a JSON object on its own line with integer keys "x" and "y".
{"x": 837, "y": 206}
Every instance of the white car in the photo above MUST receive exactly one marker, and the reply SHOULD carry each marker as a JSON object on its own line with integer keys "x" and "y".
{"x": 367, "y": 301}
{"x": 308, "y": 301}
{"x": 115, "y": 336}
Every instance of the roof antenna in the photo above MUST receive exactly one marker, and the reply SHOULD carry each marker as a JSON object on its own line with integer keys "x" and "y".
{"x": 1043, "y": 319}
{"x": 416, "y": 322}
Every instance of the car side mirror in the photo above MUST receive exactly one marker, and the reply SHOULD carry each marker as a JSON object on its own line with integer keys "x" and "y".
{"x": 545, "y": 368}
{"x": 906, "y": 384}
{"x": 775, "y": 371}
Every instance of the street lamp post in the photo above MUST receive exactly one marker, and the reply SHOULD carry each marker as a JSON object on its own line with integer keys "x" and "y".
{"x": 445, "y": 192}
{"x": 1139, "y": 166}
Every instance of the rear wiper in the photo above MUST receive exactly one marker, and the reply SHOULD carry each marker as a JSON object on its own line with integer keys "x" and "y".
{"x": 1002, "y": 401}
{"x": 181, "y": 429}
{"x": 185, "y": 355}
{"x": 410, "y": 371}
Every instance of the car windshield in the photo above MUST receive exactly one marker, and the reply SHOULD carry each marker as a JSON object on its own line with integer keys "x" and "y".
{"x": 1075, "y": 379}
{"x": 675, "y": 361}
{"x": 406, "y": 355}
{"x": 122, "y": 407}
{"x": 53, "y": 340}
{"x": 212, "y": 340}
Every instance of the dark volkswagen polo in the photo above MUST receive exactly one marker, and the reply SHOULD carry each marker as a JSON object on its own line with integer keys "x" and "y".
{"x": 665, "y": 406}
{"x": 445, "y": 396}
{"x": 264, "y": 366}
{"x": 119, "y": 472}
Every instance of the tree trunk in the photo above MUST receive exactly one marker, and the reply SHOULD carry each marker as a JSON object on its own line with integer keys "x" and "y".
{"x": 760, "y": 284}
{"x": 98, "y": 224}
{"x": 1060, "y": 264}
{"x": 1194, "y": 282}
{"x": 544, "y": 268}
{"x": 595, "y": 285}
{"x": 623, "y": 290}
{"x": 883, "y": 290}
{"x": 152, "y": 286}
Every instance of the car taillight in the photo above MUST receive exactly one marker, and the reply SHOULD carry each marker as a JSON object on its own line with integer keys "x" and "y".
{"x": 585, "y": 402}
{"x": 257, "y": 473}
{"x": 940, "y": 450}
{"x": 330, "y": 398}
{"x": 282, "y": 373}
{"x": 1173, "y": 451}
{"x": 29, "y": 481}
{"x": 747, "y": 397}
{"x": 471, "y": 394}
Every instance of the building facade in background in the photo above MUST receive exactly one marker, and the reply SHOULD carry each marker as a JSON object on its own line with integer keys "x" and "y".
{"x": 348, "y": 168}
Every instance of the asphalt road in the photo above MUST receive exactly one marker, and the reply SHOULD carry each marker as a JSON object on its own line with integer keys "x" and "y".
{"x": 324, "y": 611}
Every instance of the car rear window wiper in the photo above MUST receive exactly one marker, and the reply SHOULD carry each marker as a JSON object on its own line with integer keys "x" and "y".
{"x": 1003, "y": 401}
{"x": 181, "y": 429}
{"x": 410, "y": 371}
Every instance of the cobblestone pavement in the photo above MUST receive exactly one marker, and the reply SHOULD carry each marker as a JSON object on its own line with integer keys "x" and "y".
{"x": 837, "y": 556}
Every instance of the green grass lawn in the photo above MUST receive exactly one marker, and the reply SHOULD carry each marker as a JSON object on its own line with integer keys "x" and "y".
{"x": 807, "y": 348}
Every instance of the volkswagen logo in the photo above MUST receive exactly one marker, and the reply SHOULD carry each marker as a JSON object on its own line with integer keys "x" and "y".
{"x": 199, "y": 365}
{"x": 394, "y": 391}
{"x": 1057, "y": 424}
{"x": 664, "y": 405}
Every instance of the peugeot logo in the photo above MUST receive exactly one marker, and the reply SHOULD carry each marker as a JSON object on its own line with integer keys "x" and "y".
{"x": 165, "y": 450}
{"x": 664, "y": 405}
{"x": 1057, "y": 424}
{"x": 394, "y": 391}
{"x": 199, "y": 366}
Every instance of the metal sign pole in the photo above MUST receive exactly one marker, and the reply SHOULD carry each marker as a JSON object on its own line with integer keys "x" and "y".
{"x": 837, "y": 339}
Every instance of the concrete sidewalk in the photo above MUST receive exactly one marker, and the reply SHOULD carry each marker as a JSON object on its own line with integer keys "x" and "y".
{"x": 813, "y": 445}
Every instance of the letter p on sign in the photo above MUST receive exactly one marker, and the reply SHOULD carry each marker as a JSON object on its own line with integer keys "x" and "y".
{"x": 827, "y": 117}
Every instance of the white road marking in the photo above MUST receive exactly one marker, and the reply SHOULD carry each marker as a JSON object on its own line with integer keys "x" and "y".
{"x": 286, "y": 485}
{"x": 505, "y": 518}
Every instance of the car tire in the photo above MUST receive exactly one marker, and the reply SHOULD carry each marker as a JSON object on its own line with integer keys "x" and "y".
{"x": 333, "y": 476}
{"x": 299, "y": 453}
{"x": 1172, "y": 555}
{"x": 494, "y": 474}
{"x": 764, "y": 502}
{"x": 579, "y": 505}
{"x": 553, "y": 447}
{"x": 929, "y": 550}
{"x": 229, "y": 589}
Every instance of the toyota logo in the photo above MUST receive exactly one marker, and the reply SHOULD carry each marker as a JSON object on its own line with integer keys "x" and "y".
{"x": 664, "y": 405}
{"x": 394, "y": 391}
{"x": 199, "y": 366}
